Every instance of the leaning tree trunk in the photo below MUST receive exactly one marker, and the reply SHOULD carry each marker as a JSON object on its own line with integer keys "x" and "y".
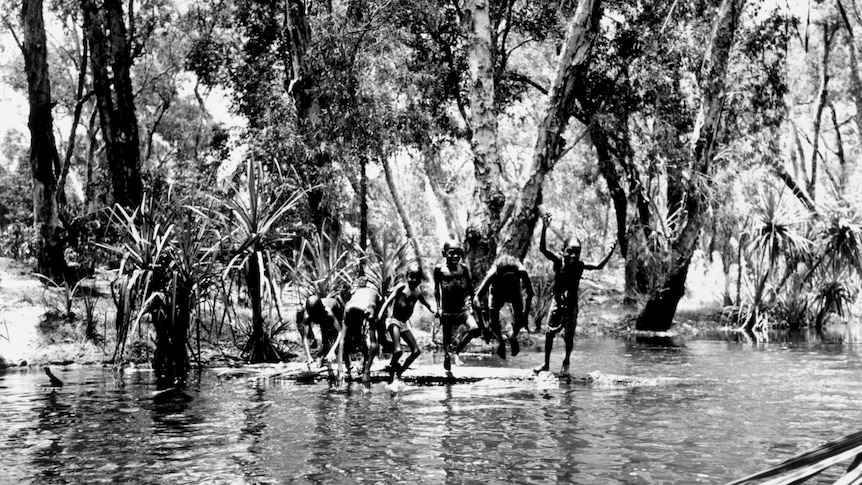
{"x": 483, "y": 223}
{"x": 44, "y": 159}
{"x": 660, "y": 309}
{"x": 402, "y": 213}
{"x": 549, "y": 143}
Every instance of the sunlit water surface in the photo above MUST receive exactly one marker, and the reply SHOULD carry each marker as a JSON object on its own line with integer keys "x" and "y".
{"x": 720, "y": 409}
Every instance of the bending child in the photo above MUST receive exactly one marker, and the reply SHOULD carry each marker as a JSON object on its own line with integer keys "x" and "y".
{"x": 402, "y": 300}
{"x": 568, "y": 270}
{"x": 327, "y": 314}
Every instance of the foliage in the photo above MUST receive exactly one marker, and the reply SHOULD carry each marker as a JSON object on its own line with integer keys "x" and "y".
{"x": 321, "y": 265}
{"x": 258, "y": 209}
{"x": 387, "y": 263}
{"x": 807, "y": 464}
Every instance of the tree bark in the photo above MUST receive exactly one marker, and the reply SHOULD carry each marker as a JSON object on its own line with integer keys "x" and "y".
{"x": 821, "y": 104}
{"x": 44, "y": 158}
{"x": 483, "y": 223}
{"x": 549, "y": 142}
{"x": 659, "y": 311}
{"x": 402, "y": 213}
{"x": 855, "y": 80}
{"x": 109, "y": 46}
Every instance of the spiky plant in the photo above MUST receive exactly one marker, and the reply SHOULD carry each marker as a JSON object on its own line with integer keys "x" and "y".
{"x": 772, "y": 238}
{"x": 144, "y": 272}
{"x": 387, "y": 263}
{"x": 321, "y": 265}
{"x": 254, "y": 225}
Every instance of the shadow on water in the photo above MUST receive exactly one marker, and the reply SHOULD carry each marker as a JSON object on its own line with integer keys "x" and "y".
{"x": 55, "y": 418}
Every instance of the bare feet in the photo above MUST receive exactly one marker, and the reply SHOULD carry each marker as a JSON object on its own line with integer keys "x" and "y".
{"x": 456, "y": 359}
{"x": 543, "y": 368}
{"x": 565, "y": 368}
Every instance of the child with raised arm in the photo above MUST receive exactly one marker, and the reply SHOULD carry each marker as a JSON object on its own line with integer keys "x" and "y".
{"x": 453, "y": 289}
{"x": 402, "y": 300}
{"x": 568, "y": 270}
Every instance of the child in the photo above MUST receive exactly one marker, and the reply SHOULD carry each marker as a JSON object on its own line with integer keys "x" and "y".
{"x": 503, "y": 283}
{"x": 402, "y": 299}
{"x": 568, "y": 270}
{"x": 453, "y": 289}
{"x": 326, "y": 313}
{"x": 361, "y": 331}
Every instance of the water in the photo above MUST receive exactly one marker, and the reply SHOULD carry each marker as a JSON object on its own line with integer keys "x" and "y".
{"x": 720, "y": 410}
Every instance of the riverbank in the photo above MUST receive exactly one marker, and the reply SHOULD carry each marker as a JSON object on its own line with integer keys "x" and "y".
{"x": 43, "y": 324}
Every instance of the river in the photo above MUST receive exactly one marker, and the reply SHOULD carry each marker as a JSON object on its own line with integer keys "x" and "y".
{"x": 704, "y": 410}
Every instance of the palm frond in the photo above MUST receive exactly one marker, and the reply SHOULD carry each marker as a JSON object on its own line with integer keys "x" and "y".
{"x": 809, "y": 463}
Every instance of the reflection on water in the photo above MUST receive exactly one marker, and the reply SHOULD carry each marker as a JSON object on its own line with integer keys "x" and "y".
{"x": 722, "y": 408}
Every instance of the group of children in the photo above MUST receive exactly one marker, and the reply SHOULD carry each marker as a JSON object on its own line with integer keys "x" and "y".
{"x": 360, "y": 322}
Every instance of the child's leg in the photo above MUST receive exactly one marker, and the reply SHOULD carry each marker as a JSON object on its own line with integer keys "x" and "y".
{"x": 569, "y": 337}
{"x": 408, "y": 337}
{"x": 371, "y": 347}
{"x": 497, "y": 329}
{"x": 395, "y": 335}
{"x": 468, "y": 321}
{"x": 554, "y": 327}
{"x": 447, "y": 323}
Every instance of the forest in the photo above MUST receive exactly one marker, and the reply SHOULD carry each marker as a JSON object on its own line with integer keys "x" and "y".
{"x": 227, "y": 159}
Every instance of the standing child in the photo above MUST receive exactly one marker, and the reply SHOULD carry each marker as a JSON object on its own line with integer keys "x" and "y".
{"x": 402, "y": 299}
{"x": 453, "y": 289}
{"x": 568, "y": 270}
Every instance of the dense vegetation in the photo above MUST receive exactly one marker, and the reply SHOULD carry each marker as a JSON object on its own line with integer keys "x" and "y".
{"x": 218, "y": 152}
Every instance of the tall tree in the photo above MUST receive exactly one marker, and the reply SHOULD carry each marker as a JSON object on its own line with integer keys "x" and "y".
{"x": 44, "y": 158}
{"x": 484, "y": 220}
{"x": 659, "y": 311}
{"x": 110, "y": 46}
{"x": 549, "y": 142}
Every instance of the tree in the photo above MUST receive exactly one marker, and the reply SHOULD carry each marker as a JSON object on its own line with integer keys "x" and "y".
{"x": 549, "y": 142}
{"x": 484, "y": 220}
{"x": 44, "y": 158}
{"x": 110, "y": 46}
{"x": 660, "y": 309}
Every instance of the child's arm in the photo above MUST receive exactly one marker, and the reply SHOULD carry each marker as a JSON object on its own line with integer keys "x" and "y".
{"x": 388, "y": 301}
{"x": 437, "y": 289}
{"x": 604, "y": 261}
{"x": 424, "y": 301}
{"x": 338, "y": 340}
{"x": 483, "y": 287}
{"x": 543, "y": 242}
{"x": 528, "y": 287}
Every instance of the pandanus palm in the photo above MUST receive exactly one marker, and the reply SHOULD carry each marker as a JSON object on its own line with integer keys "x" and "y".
{"x": 772, "y": 237}
{"x": 257, "y": 212}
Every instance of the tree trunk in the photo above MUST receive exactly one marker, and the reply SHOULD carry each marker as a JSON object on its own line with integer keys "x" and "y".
{"x": 549, "y": 143}
{"x": 301, "y": 88}
{"x": 402, "y": 213}
{"x": 483, "y": 223}
{"x": 44, "y": 159}
{"x": 821, "y": 104}
{"x": 855, "y": 80}
{"x": 660, "y": 309}
{"x": 116, "y": 106}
